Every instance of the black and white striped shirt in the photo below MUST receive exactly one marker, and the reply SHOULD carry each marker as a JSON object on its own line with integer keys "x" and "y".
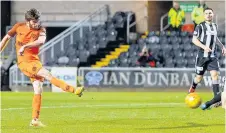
{"x": 207, "y": 35}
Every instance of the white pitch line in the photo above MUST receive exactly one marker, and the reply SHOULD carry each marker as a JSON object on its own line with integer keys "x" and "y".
{"x": 106, "y": 105}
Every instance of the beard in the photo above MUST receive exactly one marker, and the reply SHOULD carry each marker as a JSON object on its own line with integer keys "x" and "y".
{"x": 34, "y": 26}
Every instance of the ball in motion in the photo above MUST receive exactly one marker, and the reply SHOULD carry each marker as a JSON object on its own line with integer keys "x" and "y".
{"x": 193, "y": 100}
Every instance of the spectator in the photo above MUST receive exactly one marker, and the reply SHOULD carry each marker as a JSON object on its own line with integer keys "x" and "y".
{"x": 146, "y": 58}
{"x": 197, "y": 14}
{"x": 176, "y": 17}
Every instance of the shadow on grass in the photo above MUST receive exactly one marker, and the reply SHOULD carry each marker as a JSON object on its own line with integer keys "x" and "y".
{"x": 189, "y": 125}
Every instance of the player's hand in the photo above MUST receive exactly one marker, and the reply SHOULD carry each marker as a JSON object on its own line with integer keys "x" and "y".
{"x": 207, "y": 49}
{"x": 224, "y": 51}
{"x": 21, "y": 51}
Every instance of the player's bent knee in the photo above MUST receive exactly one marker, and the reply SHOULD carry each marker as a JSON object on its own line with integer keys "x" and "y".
{"x": 45, "y": 74}
{"x": 37, "y": 85}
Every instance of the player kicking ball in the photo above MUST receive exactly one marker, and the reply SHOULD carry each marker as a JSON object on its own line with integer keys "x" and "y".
{"x": 30, "y": 35}
{"x": 205, "y": 37}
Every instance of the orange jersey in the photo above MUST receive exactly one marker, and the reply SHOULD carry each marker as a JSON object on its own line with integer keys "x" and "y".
{"x": 26, "y": 35}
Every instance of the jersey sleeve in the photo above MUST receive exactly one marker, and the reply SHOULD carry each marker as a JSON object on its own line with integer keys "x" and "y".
{"x": 12, "y": 32}
{"x": 42, "y": 32}
{"x": 197, "y": 31}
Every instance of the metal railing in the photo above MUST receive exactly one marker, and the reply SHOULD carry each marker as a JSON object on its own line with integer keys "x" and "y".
{"x": 162, "y": 27}
{"x": 129, "y": 26}
{"x": 140, "y": 9}
{"x": 68, "y": 36}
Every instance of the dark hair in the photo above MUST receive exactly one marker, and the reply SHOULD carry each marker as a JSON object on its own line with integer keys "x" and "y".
{"x": 32, "y": 14}
{"x": 208, "y": 9}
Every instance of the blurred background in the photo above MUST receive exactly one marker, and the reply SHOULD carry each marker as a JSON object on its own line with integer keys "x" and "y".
{"x": 113, "y": 44}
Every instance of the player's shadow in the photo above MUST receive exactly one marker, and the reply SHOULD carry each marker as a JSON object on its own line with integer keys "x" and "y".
{"x": 189, "y": 125}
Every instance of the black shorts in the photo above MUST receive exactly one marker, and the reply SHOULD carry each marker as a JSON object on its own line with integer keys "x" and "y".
{"x": 203, "y": 64}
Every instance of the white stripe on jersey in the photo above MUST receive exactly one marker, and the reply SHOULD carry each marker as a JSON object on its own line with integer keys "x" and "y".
{"x": 202, "y": 35}
{"x": 214, "y": 42}
{"x": 208, "y": 38}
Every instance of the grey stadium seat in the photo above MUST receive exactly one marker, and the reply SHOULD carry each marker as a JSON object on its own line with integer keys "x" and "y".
{"x": 73, "y": 61}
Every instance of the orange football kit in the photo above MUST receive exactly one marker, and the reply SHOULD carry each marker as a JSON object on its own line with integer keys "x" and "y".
{"x": 29, "y": 62}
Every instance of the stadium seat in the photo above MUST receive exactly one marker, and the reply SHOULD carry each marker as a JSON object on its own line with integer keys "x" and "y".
{"x": 111, "y": 35}
{"x": 186, "y": 40}
{"x": 150, "y": 34}
{"x": 70, "y": 51}
{"x": 183, "y": 34}
{"x": 102, "y": 42}
{"x": 163, "y": 40}
{"x": 73, "y": 62}
{"x": 83, "y": 55}
{"x": 163, "y": 34}
{"x": 81, "y": 46}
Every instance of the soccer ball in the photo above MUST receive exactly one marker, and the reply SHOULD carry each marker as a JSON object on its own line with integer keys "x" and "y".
{"x": 193, "y": 100}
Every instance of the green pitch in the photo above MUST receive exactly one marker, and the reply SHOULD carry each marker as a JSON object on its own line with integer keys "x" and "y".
{"x": 110, "y": 112}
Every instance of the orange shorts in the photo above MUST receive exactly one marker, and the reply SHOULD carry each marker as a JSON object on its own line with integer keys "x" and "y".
{"x": 30, "y": 69}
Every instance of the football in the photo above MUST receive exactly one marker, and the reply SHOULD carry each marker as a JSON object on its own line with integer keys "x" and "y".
{"x": 193, "y": 100}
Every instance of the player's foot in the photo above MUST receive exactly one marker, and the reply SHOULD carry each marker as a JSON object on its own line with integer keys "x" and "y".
{"x": 218, "y": 104}
{"x": 191, "y": 90}
{"x": 204, "y": 107}
{"x": 36, "y": 123}
{"x": 79, "y": 91}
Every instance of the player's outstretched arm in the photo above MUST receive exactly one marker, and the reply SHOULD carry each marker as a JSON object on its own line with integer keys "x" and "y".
{"x": 199, "y": 44}
{"x": 4, "y": 42}
{"x": 222, "y": 46}
{"x": 11, "y": 33}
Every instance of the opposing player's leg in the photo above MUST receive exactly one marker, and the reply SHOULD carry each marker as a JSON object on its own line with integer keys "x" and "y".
{"x": 36, "y": 103}
{"x": 195, "y": 82}
{"x": 207, "y": 105}
{"x": 215, "y": 81}
{"x": 213, "y": 67}
{"x": 201, "y": 67}
{"x": 59, "y": 83}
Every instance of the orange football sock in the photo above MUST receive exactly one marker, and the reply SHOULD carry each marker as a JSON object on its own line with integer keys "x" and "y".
{"x": 61, "y": 84}
{"x": 36, "y": 106}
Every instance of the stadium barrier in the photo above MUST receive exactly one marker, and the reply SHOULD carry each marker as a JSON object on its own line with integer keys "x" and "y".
{"x": 156, "y": 78}
{"x": 110, "y": 77}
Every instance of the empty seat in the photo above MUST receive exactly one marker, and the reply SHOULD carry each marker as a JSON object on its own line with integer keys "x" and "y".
{"x": 83, "y": 56}
{"x": 186, "y": 40}
{"x": 103, "y": 42}
{"x": 73, "y": 61}
{"x": 163, "y": 40}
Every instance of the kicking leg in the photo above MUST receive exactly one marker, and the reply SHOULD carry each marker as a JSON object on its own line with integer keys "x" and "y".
{"x": 59, "y": 83}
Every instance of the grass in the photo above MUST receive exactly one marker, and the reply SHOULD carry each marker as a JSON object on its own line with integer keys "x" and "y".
{"x": 110, "y": 112}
